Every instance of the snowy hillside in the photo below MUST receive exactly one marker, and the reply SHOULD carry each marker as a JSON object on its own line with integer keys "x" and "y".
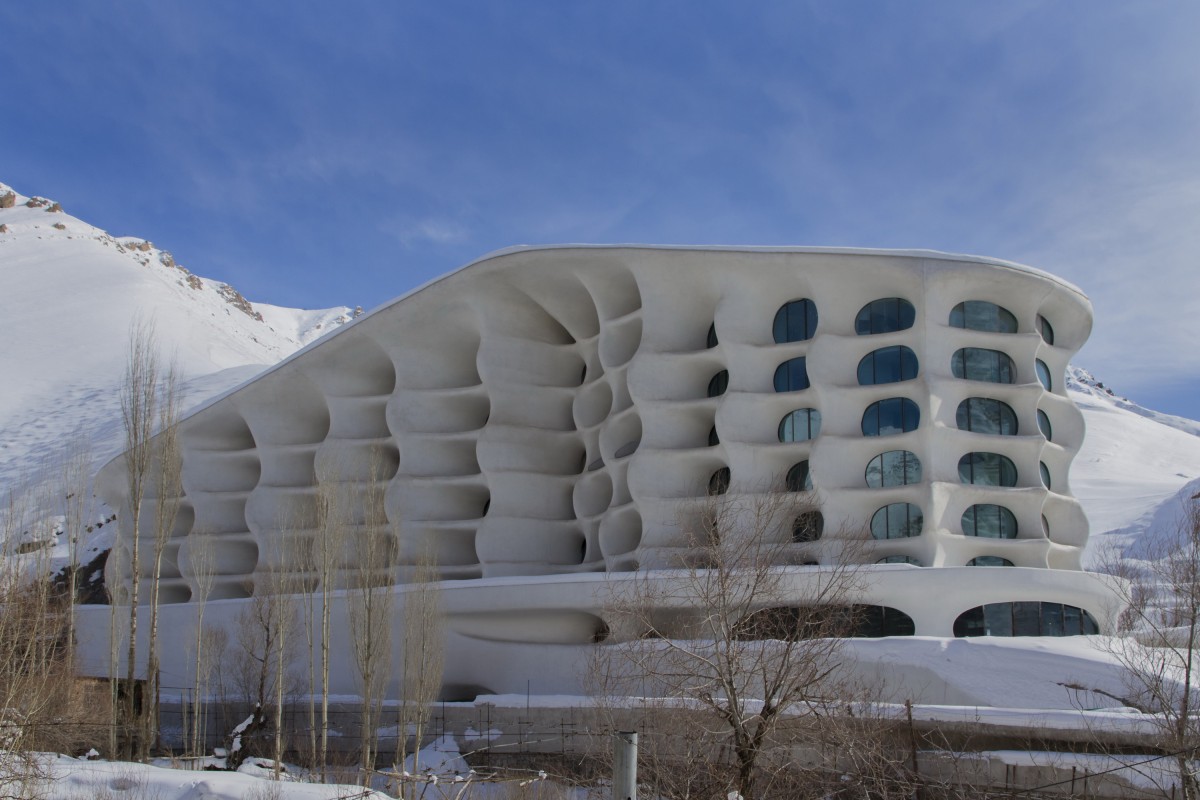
{"x": 69, "y": 293}
{"x": 1134, "y": 469}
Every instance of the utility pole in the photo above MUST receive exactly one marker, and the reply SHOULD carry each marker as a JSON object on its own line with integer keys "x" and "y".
{"x": 625, "y": 765}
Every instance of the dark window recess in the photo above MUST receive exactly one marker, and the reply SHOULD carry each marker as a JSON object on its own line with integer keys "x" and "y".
{"x": 891, "y": 416}
{"x": 718, "y": 384}
{"x": 711, "y": 341}
{"x": 1025, "y": 619}
{"x": 808, "y": 527}
{"x": 799, "y": 478}
{"x": 719, "y": 482}
{"x": 627, "y": 449}
{"x": 713, "y": 438}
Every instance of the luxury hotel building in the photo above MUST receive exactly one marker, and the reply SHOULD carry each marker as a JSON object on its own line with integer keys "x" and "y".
{"x": 538, "y": 419}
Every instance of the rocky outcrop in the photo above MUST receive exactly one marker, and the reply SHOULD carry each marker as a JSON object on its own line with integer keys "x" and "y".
{"x": 235, "y": 299}
{"x": 8, "y": 199}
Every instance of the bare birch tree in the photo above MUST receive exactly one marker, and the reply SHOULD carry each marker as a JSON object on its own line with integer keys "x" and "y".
{"x": 735, "y": 636}
{"x": 168, "y": 491}
{"x": 75, "y": 478}
{"x": 201, "y": 564}
{"x": 424, "y": 656}
{"x": 330, "y": 523}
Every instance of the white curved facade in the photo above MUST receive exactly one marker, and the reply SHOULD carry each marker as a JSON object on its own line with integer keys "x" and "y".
{"x": 547, "y": 411}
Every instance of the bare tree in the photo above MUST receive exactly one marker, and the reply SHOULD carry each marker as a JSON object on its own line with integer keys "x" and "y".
{"x": 168, "y": 491}
{"x": 371, "y": 607}
{"x": 329, "y": 533}
{"x": 263, "y": 658}
{"x": 737, "y": 637}
{"x": 424, "y": 655}
{"x": 1160, "y": 629}
{"x": 75, "y": 469}
{"x": 203, "y": 569}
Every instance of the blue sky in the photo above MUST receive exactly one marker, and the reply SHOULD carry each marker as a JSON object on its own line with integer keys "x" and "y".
{"x": 315, "y": 154}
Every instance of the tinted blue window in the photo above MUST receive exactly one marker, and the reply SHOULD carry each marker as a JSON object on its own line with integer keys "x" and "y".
{"x": 987, "y": 469}
{"x": 893, "y": 468}
{"x": 980, "y": 315}
{"x": 711, "y": 340}
{"x": 718, "y": 384}
{"x": 1043, "y": 375}
{"x": 989, "y": 521}
{"x": 1045, "y": 330}
{"x": 979, "y": 364}
{"x": 986, "y": 415}
{"x": 897, "y": 521}
{"x": 989, "y": 561}
{"x": 1025, "y": 619}
{"x": 791, "y": 376}
{"x": 795, "y": 321}
{"x": 800, "y": 425}
{"x": 887, "y": 365}
{"x": 899, "y": 560}
{"x": 1045, "y": 473}
{"x": 885, "y": 316}
{"x": 891, "y": 416}
{"x": 799, "y": 478}
{"x": 1044, "y": 425}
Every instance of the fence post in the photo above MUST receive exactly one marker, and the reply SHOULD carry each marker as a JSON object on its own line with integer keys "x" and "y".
{"x": 625, "y": 765}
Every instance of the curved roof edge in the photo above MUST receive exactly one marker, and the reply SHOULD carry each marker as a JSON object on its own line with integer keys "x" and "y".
{"x": 530, "y": 248}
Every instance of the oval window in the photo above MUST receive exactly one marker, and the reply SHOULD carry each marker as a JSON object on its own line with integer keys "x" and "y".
{"x": 989, "y": 521}
{"x": 987, "y": 469}
{"x": 980, "y": 364}
{"x": 887, "y": 365}
{"x": 886, "y": 315}
{"x": 799, "y": 478}
{"x": 897, "y": 521}
{"x": 893, "y": 468}
{"x": 891, "y": 416}
{"x": 986, "y": 415}
{"x": 795, "y": 321}
{"x": 980, "y": 315}
{"x": 800, "y": 425}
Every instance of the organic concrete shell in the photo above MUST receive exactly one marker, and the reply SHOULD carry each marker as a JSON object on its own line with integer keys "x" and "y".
{"x": 546, "y": 411}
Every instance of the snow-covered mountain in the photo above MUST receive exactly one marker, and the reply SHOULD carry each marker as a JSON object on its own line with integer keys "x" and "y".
{"x": 69, "y": 294}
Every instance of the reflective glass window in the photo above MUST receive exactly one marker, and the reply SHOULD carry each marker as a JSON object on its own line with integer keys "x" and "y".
{"x": 890, "y": 416}
{"x": 986, "y": 415}
{"x": 887, "y": 365}
{"x": 711, "y": 341}
{"x": 885, "y": 316}
{"x": 980, "y": 364}
{"x": 875, "y": 622}
{"x": 1045, "y": 330}
{"x": 1044, "y": 425}
{"x": 1045, "y": 471}
{"x": 718, "y": 384}
{"x": 1026, "y": 618}
{"x": 808, "y": 527}
{"x": 800, "y": 425}
{"x": 1043, "y": 375}
{"x": 893, "y": 468}
{"x": 791, "y": 375}
{"x": 799, "y": 478}
{"x": 980, "y": 315}
{"x": 989, "y": 521}
{"x": 899, "y": 560}
{"x": 897, "y": 521}
{"x": 719, "y": 482}
{"x": 795, "y": 321}
{"x": 987, "y": 469}
{"x": 989, "y": 561}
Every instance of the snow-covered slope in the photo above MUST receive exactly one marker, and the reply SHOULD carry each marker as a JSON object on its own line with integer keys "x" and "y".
{"x": 69, "y": 293}
{"x": 1135, "y": 468}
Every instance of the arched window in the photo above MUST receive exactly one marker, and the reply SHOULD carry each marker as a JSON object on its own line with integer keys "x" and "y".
{"x": 899, "y": 560}
{"x": 800, "y": 425}
{"x": 980, "y": 315}
{"x": 989, "y": 522}
{"x": 795, "y": 321}
{"x": 989, "y": 561}
{"x": 793, "y": 623}
{"x": 893, "y": 468}
{"x": 799, "y": 478}
{"x": 808, "y": 527}
{"x": 1043, "y": 375}
{"x": 897, "y": 521}
{"x": 718, "y": 384}
{"x": 1044, "y": 425}
{"x": 1045, "y": 471}
{"x": 885, "y": 316}
{"x": 887, "y": 365}
{"x": 1045, "y": 329}
{"x": 890, "y": 416}
{"x": 985, "y": 415}
{"x": 711, "y": 341}
{"x": 1025, "y": 619}
{"x": 791, "y": 375}
{"x": 713, "y": 439}
{"x": 987, "y": 469}
{"x": 719, "y": 482}
{"x": 979, "y": 364}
